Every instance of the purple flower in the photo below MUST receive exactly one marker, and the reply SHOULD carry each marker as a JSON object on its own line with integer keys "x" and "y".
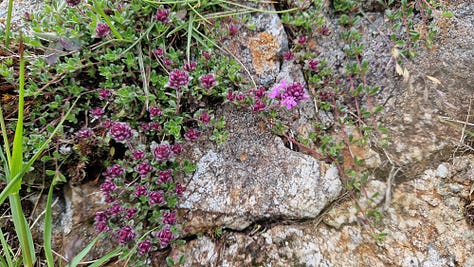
{"x": 230, "y": 95}
{"x": 97, "y": 112}
{"x": 164, "y": 176}
{"x": 169, "y": 217}
{"x": 302, "y": 39}
{"x": 116, "y": 209}
{"x": 106, "y": 124}
{"x": 289, "y": 95}
{"x": 155, "y": 112}
{"x": 165, "y": 237}
{"x": 179, "y": 189}
{"x": 158, "y": 52}
{"x": 233, "y": 30}
{"x": 114, "y": 171}
{"x": 154, "y": 126}
{"x": 178, "y": 79}
{"x": 208, "y": 81}
{"x": 278, "y": 89}
{"x": 289, "y": 55}
{"x": 259, "y": 93}
{"x": 28, "y": 16}
{"x": 125, "y": 234}
{"x": 144, "y": 247}
{"x": 204, "y": 117}
{"x": 140, "y": 190}
{"x": 177, "y": 148}
{"x": 162, "y": 15}
{"x": 138, "y": 155}
{"x": 161, "y": 152}
{"x": 191, "y": 66}
{"x": 102, "y": 30}
{"x": 144, "y": 168}
{"x": 120, "y": 131}
{"x": 107, "y": 187}
{"x": 206, "y": 55}
{"x": 145, "y": 126}
{"x": 156, "y": 198}
{"x": 85, "y": 133}
{"x": 73, "y": 2}
{"x": 258, "y": 106}
{"x": 313, "y": 64}
{"x": 104, "y": 94}
{"x": 192, "y": 135}
{"x": 324, "y": 31}
{"x": 168, "y": 62}
{"x": 100, "y": 220}
{"x": 131, "y": 213}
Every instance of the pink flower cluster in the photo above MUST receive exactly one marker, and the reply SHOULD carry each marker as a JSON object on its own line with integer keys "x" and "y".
{"x": 289, "y": 95}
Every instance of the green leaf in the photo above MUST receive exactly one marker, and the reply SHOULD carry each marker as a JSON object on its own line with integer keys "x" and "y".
{"x": 48, "y": 221}
{"x": 447, "y": 14}
{"x": 78, "y": 258}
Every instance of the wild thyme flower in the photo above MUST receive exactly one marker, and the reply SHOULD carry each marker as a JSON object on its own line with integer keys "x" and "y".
{"x": 206, "y": 55}
{"x": 233, "y": 30}
{"x": 144, "y": 169}
{"x": 169, "y": 217}
{"x": 162, "y": 15}
{"x": 114, "y": 171}
{"x": 178, "y": 79}
{"x": 289, "y": 55}
{"x": 191, "y": 66}
{"x": 130, "y": 213}
{"x": 208, "y": 81}
{"x": 156, "y": 198}
{"x": 177, "y": 148}
{"x": 97, "y": 112}
{"x": 104, "y": 94}
{"x": 141, "y": 190}
{"x": 165, "y": 237}
{"x": 138, "y": 154}
{"x": 144, "y": 247}
{"x": 158, "y": 52}
{"x": 313, "y": 65}
{"x": 154, "y": 112}
{"x": 85, "y": 133}
{"x": 204, "y": 117}
{"x": 259, "y": 93}
{"x": 73, "y": 2}
{"x": 230, "y": 95}
{"x": 116, "y": 209}
{"x": 302, "y": 39}
{"x": 161, "y": 152}
{"x": 154, "y": 126}
{"x": 107, "y": 187}
{"x": 179, "y": 189}
{"x": 102, "y": 30}
{"x": 168, "y": 62}
{"x": 100, "y": 220}
{"x": 164, "y": 176}
{"x": 125, "y": 234}
{"x": 120, "y": 131}
{"x": 289, "y": 95}
{"x": 192, "y": 135}
{"x": 258, "y": 106}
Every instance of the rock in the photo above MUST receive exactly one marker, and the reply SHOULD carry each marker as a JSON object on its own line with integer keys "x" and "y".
{"x": 419, "y": 234}
{"x": 253, "y": 176}
{"x": 20, "y": 7}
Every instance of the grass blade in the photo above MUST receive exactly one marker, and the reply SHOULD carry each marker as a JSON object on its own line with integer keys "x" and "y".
{"x": 16, "y": 167}
{"x": 48, "y": 221}
{"x": 76, "y": 260}
{"x": 106, "y": 258}
{"x": 8, "y": 26}
{"x": 6, "y": 251}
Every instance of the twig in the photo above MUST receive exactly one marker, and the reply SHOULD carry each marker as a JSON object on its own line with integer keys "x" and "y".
{"x": 388, "y": 192}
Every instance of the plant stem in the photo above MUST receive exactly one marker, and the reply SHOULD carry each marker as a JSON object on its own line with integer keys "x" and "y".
{"x": 8, "y": 26}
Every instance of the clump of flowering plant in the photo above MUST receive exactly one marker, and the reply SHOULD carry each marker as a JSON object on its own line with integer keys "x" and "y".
{"x": 288, "y": 95}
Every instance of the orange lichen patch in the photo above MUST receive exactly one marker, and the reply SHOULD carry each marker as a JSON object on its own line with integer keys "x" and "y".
{"x": 264, "y": 48}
